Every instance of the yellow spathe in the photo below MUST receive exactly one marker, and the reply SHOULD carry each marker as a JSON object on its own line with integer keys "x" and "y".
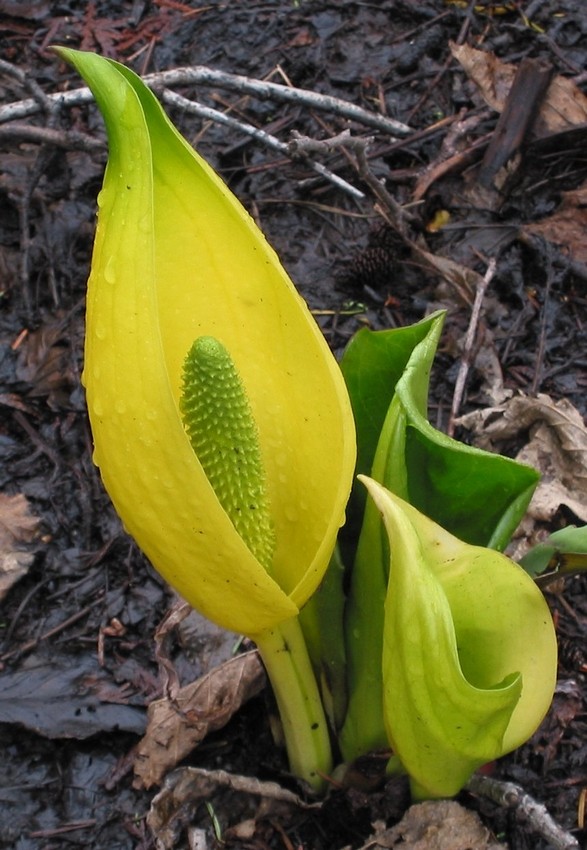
{"x": 176, "y": 257}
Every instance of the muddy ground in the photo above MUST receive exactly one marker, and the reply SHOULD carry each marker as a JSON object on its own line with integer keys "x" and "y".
{"x": 77, "y": 650}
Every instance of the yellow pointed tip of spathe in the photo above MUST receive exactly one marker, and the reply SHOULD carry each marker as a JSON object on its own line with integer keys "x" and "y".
{"x": 162, "y": 277}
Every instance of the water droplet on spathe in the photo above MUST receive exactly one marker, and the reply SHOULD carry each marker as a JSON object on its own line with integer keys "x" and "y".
{"x": 291, "y": 514}
{"x": 110, "y": 271}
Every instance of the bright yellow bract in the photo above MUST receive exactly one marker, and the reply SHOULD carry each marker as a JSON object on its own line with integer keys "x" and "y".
{"x": 177, "y": 257}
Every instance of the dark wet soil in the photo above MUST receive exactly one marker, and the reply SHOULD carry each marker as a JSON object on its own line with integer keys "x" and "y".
{"x": 77, "y": 655}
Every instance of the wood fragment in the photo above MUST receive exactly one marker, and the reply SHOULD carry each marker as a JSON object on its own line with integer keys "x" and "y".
{"x": 467, "y": 356}
{"x": 521, "y": 109}
{"x": 510, "y": 795}
{"x": 200, "y": 75}
{"x": 208, "y": 113}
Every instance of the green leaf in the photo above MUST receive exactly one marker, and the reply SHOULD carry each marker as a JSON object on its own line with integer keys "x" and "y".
{"x": 563, "y": 553}
{"x": 372, "y": 365}
{"x": 322, "y": 621}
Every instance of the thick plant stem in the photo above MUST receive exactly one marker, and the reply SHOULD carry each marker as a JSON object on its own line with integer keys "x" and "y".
{"x": 285, "y": 656}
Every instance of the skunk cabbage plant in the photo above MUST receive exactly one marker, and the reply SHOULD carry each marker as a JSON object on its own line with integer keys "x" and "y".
{"x": 225, "y": 436}
{"x": 179, "y": 268}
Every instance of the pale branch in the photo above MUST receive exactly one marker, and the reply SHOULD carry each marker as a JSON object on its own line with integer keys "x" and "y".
{"x": 397, "y": 217}
{"x": 467, "y": 355}
{"x": 49, "y": 103}
{"x": 510, "y": 795}
{"x": 200, "y": 75}
{"x": 68, "y": 139}
{"x": 211, "y": 114}
{"x": 300, "y": 145}
{"x": 275, "y": 91}
{"x": 44, "y": 102}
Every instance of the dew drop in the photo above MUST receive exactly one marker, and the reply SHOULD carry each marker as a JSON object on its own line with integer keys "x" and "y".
{"x": 291, "y": 514}
{"x": 100, "y": 331}
{"x": 109, "y": 271}
{"x": 281, "y": 459}
{"x": 98, "y": 408}
{"x": 120, "y": 406}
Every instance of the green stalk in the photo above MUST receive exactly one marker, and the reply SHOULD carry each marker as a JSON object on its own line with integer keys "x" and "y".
{"x": 285, "y": 656}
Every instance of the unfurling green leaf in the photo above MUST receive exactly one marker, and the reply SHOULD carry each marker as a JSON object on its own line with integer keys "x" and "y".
{"x": 469, "y": 651}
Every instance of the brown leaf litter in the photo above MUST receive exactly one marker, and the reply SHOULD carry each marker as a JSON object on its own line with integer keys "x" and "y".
{"x": 557, "y": 448}
{"x": 17, "y": 526}
{"x": 176, "y": 726}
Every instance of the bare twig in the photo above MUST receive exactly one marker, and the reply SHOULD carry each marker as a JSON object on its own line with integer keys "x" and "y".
{"x": 275, "y": 91}
{"x": 467, "y": 355}
{"x": 200, "y": 75}
{"x": 302, "y": 145}
{"x": 65, "y": 624}
{"x": 43, "y": 101}
{"x": 68, "y": 139}
{"x": 510, "y": 795}
{"x": 208, "y": 113}
{"x": 539, "y": 368}
{"x": 397, "y": 216}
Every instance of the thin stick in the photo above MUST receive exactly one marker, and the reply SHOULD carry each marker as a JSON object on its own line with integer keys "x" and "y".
{"x": 200, "y": 75}
{"x": 467, "y": 355}
{"x": 208, "y": 113}
{"x": 300, "y": 145}
{"x": 65, "y": 624}
{"x": 68, "y": 139}
{"x": 510, "y": 795}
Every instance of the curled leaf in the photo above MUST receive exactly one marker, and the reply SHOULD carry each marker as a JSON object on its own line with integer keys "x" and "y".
{"x": 469, "y": 651}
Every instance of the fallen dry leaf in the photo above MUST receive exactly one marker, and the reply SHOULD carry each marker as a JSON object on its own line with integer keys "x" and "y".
{"x": 564, "y": 104}
{"x": 17, "y": 525}
{"x": 436, "y": 825}
{"x": 188, "y": 787}
{"x": 567, "y": 226}
{"x": 557, "y": 448}
{"x": 44, "y": 363}
{"x": 175, "y": 727}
